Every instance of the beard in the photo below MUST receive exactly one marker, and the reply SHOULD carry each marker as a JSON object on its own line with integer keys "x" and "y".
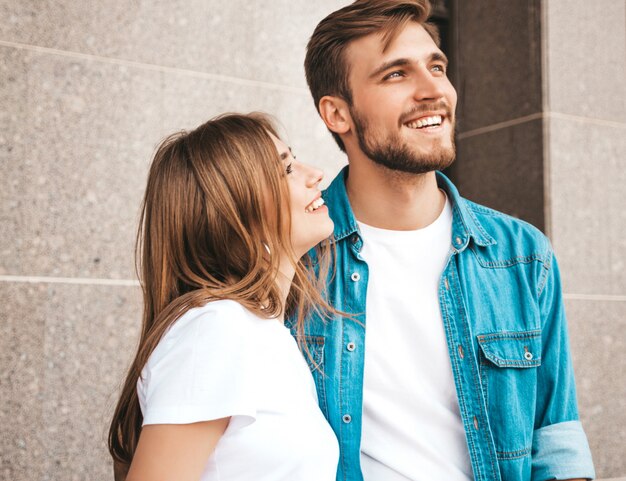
{"x": 393, "y": 152}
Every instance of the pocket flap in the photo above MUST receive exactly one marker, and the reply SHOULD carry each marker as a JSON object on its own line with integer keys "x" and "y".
{"x": 312, "y": 348}
{"x": 512, "y": 349}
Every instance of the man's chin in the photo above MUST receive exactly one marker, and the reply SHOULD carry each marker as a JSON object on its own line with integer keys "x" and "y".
{"x": 422, "y": 162}
{"x": 414, "y": 166}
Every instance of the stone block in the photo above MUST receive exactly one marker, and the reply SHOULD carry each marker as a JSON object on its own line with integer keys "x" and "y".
{"x": 237, "y": 38}
{"x": 498, "y": 58}
{"x": 22, "y": 383}
{"x": 586, "y": 58}
{"x": 64, "y": 351}
{"x": 597, "y": 341}
{"x": 587, "y": 199}
{"x": 503, "y": 169}
{"x": 83, "y": 137}
{"x": 91, "y": 333}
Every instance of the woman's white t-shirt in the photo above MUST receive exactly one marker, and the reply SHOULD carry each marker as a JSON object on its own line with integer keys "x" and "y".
{"x": 221, "y": 360}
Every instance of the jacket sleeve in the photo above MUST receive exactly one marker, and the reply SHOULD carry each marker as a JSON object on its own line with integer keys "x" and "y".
{"x": 560, "y": 449}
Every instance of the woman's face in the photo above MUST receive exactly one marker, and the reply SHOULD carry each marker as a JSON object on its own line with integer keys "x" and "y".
{"x": 310, "y": 222}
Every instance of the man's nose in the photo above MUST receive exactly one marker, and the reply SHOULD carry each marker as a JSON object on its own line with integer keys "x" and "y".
{"x": 427, "y": 87}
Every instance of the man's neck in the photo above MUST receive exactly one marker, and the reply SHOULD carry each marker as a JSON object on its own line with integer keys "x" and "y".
{"x": 393, "y": 200}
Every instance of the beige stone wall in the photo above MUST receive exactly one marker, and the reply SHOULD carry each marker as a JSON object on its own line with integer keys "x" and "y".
{"x": 87, "y": 89}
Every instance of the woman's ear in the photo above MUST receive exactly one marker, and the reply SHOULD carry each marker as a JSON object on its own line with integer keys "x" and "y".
{"x": 335, "y": 114}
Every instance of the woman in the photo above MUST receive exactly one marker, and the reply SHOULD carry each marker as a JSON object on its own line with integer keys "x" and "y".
{"x": 218, "y": 388}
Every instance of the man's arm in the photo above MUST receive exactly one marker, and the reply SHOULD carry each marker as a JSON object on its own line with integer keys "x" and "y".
{"x": 560, "y": 449}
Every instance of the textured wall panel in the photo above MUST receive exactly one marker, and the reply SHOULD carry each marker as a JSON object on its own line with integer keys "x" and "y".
{"x": 503, "y": 170}
{"x": 80, "y": 140}
{"x": 588, "y": 201}
{"x": 498, "y": 53}
{"x": 598, "y": 344}
{"x": 66, "y": 349}
{"x": 586, "y": 53}
{"x": 261, "y": 40}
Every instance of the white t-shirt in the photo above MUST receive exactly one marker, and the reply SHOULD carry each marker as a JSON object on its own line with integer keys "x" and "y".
{"x": 221, "y": 360}
{"x": 412, "y": 428}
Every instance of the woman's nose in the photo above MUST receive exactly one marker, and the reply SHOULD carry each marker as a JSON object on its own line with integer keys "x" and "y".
{"x": 314, "y": 176}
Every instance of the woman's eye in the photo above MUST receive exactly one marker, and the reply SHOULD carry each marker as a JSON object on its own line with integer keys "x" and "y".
{"x": 289, "y": 168}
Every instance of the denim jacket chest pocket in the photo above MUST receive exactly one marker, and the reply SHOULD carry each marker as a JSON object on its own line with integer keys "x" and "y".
{"x": 508, "y": 371}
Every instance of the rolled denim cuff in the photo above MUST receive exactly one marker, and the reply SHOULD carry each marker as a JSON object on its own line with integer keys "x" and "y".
{"x": 561, "y": 451}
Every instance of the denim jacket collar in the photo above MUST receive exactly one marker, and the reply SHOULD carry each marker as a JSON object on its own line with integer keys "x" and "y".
{"x": 465, "y": 225}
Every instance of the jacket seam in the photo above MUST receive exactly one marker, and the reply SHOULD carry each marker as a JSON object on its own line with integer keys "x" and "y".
{"x": 462, "y": 404}
{"x": 476, "y": 382}
{"x": 543, "y": 280}
{"x": 527, "y": 259}
{"x": 510, "y": 335}
{"x": 520, "y": 453}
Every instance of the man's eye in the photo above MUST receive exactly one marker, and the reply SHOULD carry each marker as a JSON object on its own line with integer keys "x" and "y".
{"x": 289, "y": 168}
{"x": 439, "y": 68}
{"x": 392, "y": 75}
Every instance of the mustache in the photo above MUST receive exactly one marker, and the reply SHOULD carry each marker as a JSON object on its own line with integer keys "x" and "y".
{"x": 427, "y": 107}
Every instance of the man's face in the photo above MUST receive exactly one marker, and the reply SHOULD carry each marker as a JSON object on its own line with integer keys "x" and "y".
{"x": 402, "y": 101}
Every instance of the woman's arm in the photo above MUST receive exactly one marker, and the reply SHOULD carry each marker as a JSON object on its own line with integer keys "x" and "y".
{"x": 168, "y": 452}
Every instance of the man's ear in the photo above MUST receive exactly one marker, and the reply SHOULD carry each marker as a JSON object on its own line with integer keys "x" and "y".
{"x": 335, "y": 114}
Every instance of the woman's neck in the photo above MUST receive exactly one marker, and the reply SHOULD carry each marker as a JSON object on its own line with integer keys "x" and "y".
{"x": 286, "y": 273}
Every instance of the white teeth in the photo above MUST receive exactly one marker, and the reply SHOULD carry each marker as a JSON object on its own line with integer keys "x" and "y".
{"x": 316, "y": 204}
{"x": 424, "y": 122}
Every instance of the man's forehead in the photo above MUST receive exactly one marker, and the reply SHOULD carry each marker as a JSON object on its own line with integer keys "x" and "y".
{"x": 411, "y": 41}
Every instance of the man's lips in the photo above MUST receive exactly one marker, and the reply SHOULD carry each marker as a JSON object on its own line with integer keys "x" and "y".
{"x": 422, "y": 113}
{"x": 434, "y": 120}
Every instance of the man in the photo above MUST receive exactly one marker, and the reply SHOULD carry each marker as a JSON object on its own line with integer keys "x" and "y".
{"x": 455, "y": 364}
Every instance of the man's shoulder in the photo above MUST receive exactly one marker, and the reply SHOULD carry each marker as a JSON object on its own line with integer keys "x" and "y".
{"x": 515, "y": 239}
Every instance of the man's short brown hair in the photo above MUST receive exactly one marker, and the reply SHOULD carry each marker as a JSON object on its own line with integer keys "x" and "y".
{"x": 327, "y": 72}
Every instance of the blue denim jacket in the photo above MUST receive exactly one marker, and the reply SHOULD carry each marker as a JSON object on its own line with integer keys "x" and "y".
{"x": 501, "y": 305}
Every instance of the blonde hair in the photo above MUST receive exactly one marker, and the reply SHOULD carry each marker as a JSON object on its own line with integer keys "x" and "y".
{"x": 207, "y": 231}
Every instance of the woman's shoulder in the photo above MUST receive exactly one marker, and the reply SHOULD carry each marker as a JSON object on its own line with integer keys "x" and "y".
{"x": 207, "y": 330}
{"x": 202, "y": 353}
{"x": 220, "y": 316}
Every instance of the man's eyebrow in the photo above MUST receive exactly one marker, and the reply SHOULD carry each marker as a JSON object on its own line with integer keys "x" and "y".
{"x": 439, "y": 57}
{"x": 403, "y": 62}
{"x": 398, "y": 62}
